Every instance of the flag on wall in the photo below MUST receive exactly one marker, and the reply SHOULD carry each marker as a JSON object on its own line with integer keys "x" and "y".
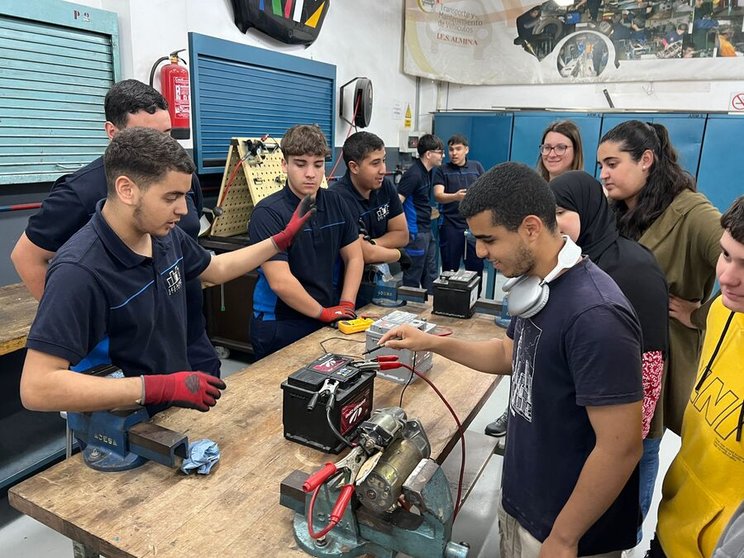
{"x": 573, "y": 41}
{"x": 289, "y": 21}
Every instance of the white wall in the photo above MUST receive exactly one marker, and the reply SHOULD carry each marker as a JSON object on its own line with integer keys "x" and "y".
{"x": 361, "y": 37}
{"x": 364, "y": 38}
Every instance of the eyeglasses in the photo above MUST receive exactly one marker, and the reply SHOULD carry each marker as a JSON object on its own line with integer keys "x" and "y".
{"x": 559, "y": 149}
{"x": 437, "y": 151}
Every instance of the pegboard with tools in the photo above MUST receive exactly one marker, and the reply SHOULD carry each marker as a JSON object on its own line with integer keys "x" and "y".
{"x": 253, "y": 171}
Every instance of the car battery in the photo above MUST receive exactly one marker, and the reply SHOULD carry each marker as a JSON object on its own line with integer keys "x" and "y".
{"x": 420, "y": 360}
{"x": 455, "y": 293}
{"x": 352, "y": 406}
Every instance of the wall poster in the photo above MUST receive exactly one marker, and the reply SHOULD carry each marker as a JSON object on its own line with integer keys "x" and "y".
{"x": 574, "y": 41}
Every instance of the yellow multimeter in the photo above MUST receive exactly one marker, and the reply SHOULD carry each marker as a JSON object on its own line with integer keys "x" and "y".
{"x": 355, "y": 325}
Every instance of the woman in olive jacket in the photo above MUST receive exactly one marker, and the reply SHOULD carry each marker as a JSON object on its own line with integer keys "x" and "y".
{"x": 656, "y": 203}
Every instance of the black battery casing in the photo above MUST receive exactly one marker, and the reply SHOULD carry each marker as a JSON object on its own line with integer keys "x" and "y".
{"x": 353, "y": 402}
{"x": 455, "y": 293}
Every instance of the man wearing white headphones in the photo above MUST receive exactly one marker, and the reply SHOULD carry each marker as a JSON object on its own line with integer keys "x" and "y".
{"x": 570, "y": 478}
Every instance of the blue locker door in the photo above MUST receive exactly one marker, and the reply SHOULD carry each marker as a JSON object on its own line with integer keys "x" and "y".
{"x": 448, "y": 124}
{"x": 685, "y": 132}
{"x": 489, "y": 134}
{"x": 721, "y": 168}
{"x": 529, "y": 128}
{"x": 490, "y": 138}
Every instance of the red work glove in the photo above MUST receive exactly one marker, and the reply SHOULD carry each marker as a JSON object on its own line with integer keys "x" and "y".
{"x": 347, "y": 304}
{"x": 305, "y": 209}
{"x": 335, "y": 313}
{"x": 194, "y": 390}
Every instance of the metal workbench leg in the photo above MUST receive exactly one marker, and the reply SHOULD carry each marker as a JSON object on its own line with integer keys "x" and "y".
{"x": 79, "y": 550}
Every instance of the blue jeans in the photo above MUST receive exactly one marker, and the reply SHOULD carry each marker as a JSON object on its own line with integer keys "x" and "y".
{"x": 648, "y": 469}
{"x": 423, "y": 252}
{"x": 452, "y": 248}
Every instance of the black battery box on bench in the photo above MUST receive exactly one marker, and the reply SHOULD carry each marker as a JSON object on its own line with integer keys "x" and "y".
{"x": 353, "y": 402}
{"x": 455, "y": 293}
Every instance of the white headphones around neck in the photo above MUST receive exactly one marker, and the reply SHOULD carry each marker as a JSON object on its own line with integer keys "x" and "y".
{"x": 529, "y": 294}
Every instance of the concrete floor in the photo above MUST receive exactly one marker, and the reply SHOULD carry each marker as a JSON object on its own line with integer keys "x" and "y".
{"x": 23, "y": 537}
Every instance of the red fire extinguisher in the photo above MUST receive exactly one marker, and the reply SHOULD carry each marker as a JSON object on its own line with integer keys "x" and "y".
{"x": 174, "y": 82}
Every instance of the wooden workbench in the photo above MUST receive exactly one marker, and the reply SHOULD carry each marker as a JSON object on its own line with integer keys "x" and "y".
{"x": 17, "y": 311}
{"x": 159, "y": 512}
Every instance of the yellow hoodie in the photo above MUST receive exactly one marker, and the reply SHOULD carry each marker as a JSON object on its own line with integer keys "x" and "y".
{"x": 705, "y": 483}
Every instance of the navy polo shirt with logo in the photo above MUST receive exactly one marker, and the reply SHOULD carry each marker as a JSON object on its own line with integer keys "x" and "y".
{"x": 455, "y": 178}
{"x": 70, "y": 205}
{"x": 312, "y": 255}
{"x": 415, "y": 186}
{"x": 97, "y": 287}
{"x": 383, "y": 204}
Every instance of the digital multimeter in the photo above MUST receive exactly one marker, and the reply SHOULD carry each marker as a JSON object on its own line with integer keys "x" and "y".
{"x": 354, "y": 326}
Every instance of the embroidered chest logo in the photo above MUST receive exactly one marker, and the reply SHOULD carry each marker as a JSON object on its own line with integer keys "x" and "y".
{"x": 383, "y": 211}
{"x": 174, "y": 280}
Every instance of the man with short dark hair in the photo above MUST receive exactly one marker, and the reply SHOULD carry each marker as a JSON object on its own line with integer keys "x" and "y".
{"x": 705, "y": 483}
{"x": 73, "y": 198}
{"x": 570, "y": 476}
{"x": 372, "y": 199}
{"x": 119, "y": 281}
{"x": 415, "y": 190}
{"x": 451, "y": 181}
{"x": 297, "y": 292}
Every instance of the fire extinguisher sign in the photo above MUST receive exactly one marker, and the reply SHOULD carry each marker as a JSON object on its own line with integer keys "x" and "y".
{"x": 182, "y": 99}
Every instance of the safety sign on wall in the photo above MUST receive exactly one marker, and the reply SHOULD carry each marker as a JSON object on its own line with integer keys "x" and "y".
{"x": 737, "y": 102}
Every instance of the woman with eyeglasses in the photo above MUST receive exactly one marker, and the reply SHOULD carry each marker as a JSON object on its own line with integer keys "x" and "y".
{"x": 560, "y": 150}
{"x": 656, "y": 203}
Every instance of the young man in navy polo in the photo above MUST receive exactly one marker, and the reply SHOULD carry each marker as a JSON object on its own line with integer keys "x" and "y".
{"x": 451, "y": 181}
{"x": 415, "y": 193}
{"x": 122, "y": 278}
{"x": 295, "y": 294}
{"x": 73, "y": 199}
{"x": 372, "y": 199}
{"x": 373, "y": 202}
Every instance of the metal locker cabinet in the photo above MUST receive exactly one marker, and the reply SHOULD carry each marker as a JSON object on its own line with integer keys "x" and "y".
{"x": 243, "y": 91}
{"x": 685, "y": 131}
{"x": 58, "y": 61}
{"x": 721, "y": 168}
{"x": 489, "y": 133}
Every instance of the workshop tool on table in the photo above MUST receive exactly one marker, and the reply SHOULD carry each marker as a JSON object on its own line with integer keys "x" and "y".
{"x": 326, "y": 400}
{"x": 420, "y": 360}
{"x": 383, "y": 285}
{"x": 455, "y": 293}
{"x": 123, "y": 439}
{"x": 355, "y": 325}
{"x": 497, "y": 308}
{"x": 363, "y": 503}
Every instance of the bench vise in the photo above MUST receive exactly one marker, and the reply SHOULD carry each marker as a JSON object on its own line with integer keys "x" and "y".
{"x": 119, "y": 440}
{"x": 123, "y": 439}
{"x": 396, "y": 476}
